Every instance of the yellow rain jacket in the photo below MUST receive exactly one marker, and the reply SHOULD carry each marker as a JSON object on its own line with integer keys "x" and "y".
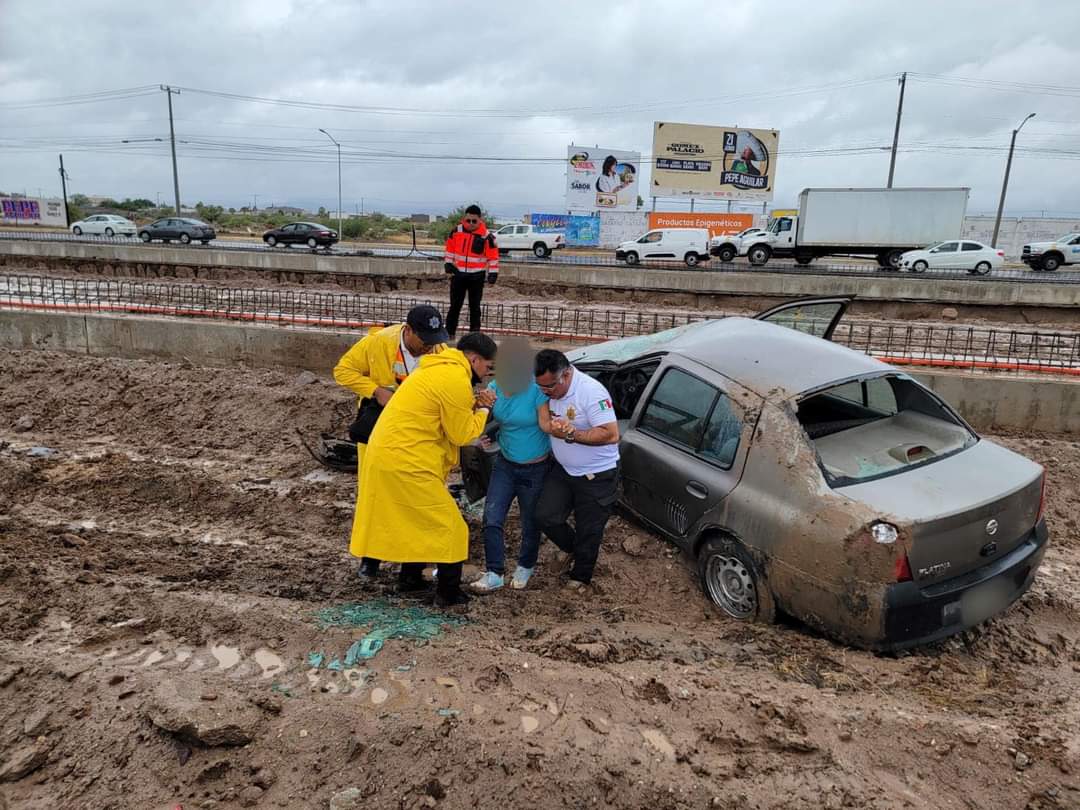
{"x": 404, "y": 512}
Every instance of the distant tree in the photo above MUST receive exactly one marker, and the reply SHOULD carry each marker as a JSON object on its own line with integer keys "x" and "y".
{"x": 322, "y": 211}
{"x": 441, "y": 229}
{"x": 138, "y": 204}
{"x": 209, "y": 213}
{"x": 109, "y": 202}
{"x": 80, "y": 200}
{"x": 232, "y": 210}
{"x": 640, "y": 201}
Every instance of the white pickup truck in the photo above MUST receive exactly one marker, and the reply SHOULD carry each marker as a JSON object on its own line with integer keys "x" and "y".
{"x": 526, "y": 237}
{"x": 728, "y": 246}
{"x": 1051, "y": 255}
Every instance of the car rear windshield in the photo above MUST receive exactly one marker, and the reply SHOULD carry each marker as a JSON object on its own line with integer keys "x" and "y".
{"x": 880, "y": 426}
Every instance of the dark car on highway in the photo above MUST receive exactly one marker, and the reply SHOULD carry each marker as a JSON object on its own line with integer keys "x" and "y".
{"x": 810, "y": 478}
{"x": 177, "y": 229}
{"x": 311, "y": 234}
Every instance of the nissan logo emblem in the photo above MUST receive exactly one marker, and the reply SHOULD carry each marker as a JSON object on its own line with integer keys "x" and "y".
{"x": 992, "y": 527}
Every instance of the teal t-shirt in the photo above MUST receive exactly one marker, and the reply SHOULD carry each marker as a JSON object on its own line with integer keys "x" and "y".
{"x": 520, "y": 436}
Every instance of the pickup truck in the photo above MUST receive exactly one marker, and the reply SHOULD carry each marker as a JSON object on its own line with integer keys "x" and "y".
{"x": 727, "y": 246}
{"x": 1051, "y": 255}
{"x": 526, "y": 237}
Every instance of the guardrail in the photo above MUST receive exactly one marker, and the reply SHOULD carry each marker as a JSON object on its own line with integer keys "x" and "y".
{"x": 934, "y": 345}
{"x": 432, "y": 253}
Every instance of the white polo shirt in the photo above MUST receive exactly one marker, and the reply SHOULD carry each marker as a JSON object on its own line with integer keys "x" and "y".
{"x": 587, "y": 404}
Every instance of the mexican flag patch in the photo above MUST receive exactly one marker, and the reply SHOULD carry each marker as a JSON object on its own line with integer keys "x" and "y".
{"x": 605, "y": 405}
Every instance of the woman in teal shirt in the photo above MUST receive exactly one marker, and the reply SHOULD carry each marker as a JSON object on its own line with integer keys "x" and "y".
{"x": 520, "y": 468}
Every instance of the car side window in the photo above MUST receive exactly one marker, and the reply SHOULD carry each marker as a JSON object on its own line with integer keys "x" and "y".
{"x": 521, "y": 229}
{"x": 654, "y": 236}
{"x": 947, "y": 247}
{"x": 679, "y": 408}
{"x": 722, "y": 434}
{"x": 971, "y": 246}
{"x": 785, "y": 225}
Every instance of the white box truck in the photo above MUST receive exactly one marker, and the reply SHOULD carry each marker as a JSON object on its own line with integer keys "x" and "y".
{"x": 878, "y": 222}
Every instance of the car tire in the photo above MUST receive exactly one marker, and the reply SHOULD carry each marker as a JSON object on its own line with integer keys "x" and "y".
{"x": 205, "y": 241}
{"x": 919, "y": 266}
{"x": 271, "y": 241}
{"x": 726, "y": 254}
{"x": 691, "y": 259}
{"x": 185, "y": 239}
{"x": 312, "y": 243}
{"x": 1050, "y": 263}
{"x": 759, "y": 255}
{"x": 892, "y": 259}
{"x": 541, "y": 251}
{"x": 804, "y": 258}
{"x": 981, "y": 269}
{"x": 145, "y": 236}
{"x": 77, "y": 230}
{"x": 632, "y": 258}
{"x": 110, "y": 232}
{"x": 732, "y": 581}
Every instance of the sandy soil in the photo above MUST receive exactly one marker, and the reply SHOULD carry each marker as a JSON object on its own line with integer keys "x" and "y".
{"x": 160, "y": 573}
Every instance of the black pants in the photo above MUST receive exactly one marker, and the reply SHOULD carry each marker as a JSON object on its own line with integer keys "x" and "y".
{"x": 460, "y": 284}
{"x": 449, "y": 581}
{"x": 591, "y": 502}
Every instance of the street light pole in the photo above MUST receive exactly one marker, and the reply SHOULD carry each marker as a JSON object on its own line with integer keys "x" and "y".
{"x": 340, "y": 232}
{"x": 1005, "y": 182}
{"x": 896, "y": 132}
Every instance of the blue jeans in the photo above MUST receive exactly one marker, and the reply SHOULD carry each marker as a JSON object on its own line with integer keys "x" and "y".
{"x": 509, "y": 481}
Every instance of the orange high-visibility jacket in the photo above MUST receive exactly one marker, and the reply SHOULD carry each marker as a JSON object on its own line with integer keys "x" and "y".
{"x": 472, "y": 252}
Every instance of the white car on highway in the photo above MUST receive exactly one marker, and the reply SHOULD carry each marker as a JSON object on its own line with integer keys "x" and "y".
{"x": 957, "y": 254}
{"x": 728, "y": 246}
{"x": 104, "y": 225}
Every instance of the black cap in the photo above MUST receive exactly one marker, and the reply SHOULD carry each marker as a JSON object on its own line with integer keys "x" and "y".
{"x": 427, "y": 323}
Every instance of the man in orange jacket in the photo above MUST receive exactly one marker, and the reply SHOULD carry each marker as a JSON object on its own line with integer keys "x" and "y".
{"x": 470, "y": 255}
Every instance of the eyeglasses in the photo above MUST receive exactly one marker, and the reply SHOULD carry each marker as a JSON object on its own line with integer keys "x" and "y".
{"x": 472, "y": 221}
{"x": 553, "y": 385}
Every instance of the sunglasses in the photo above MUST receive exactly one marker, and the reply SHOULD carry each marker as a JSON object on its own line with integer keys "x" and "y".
{"x": 472, "y": 221}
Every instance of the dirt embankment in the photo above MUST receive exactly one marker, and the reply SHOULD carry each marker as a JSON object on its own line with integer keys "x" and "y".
{"x": 161, "y": 572}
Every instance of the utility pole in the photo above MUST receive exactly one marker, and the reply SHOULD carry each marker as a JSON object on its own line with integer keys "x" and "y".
{"x": 1005, "y": 182}
{"x": 169, "y": 92}
{"x": 896, "y": 132}
{"x": 340, "y": 232}
{"x": 63, "y": 185}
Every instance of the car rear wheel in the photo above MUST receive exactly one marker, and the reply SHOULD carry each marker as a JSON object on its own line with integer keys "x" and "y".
{"x": 892, "y": 258}
{"x": 311, "y": 243}
{"x": 541, "y": 251}
{"x": 271, "y": 241}
{"x": 77, "y": 230}
{"x": 185, "y": 239}
{"x": 691, "y": 259}
{"x": 726, "y": 254}
{"x": 919, "y": 266}
{"x": 730, "y": 579}
{"x": 804, "y": 258}
{"x": 145, "y": 236}
{"x": 982, "y": 268}
{"x": 632, "y": 258}
{"x": 110, "y": 232}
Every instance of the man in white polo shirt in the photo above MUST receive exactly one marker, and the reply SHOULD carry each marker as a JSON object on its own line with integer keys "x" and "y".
{"x": 585, "y": 478}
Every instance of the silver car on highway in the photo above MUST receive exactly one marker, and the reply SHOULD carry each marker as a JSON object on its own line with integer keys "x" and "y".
{"x": 805, "y": 476}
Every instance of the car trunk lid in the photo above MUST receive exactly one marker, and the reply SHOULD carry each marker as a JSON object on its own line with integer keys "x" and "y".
{"x": 963, "y": 511}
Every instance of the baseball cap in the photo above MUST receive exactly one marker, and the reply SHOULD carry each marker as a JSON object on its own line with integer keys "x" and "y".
{"x": 427, "y": 323}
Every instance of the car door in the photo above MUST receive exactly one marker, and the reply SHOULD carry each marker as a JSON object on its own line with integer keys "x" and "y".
{"x": 945, "y": 256}
{"x": 815, "y": 316}
{"x": 971, "y": 253}
{"x": 504, "y": 237}
{"x": 94, "y": 225}
{"x": 685, "y": 448}
{"x": 651, "y": 244}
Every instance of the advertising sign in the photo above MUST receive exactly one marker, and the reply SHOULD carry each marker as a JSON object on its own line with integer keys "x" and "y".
{"x": 725, "y": 163}
{"x": 580, "y": 231}
{"x": 21, "y": 209}
{"x": 601, "y": 179}
{"x": 718, "y": 224}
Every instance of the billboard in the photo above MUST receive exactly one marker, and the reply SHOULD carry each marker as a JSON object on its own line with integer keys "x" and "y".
{"x": 580, "y": 231}
{"x": 601, "y": 179}
{"x": 723, "y": 163}
{"x": 718, "y": 224}
{"x": 28, "y": 211}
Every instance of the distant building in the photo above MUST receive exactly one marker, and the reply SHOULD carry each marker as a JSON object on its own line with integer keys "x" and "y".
{"x": 289, "y": 210}
{"x": 420, "y": 219}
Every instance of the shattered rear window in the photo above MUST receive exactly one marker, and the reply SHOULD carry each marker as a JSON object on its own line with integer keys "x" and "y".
{"x": 880, "y": 426}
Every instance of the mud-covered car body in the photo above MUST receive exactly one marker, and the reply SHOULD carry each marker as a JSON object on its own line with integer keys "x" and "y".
{"x": 865, "y": 506}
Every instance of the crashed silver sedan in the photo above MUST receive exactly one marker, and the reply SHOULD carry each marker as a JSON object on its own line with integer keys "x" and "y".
{"x": 808, "y": 477}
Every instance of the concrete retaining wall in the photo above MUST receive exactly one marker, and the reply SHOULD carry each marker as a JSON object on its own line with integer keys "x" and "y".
{"x": 375, "y": 273}
{"x": 989, "y": 403}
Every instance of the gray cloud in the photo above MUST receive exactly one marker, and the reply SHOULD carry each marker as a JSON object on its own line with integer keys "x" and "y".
{"x": 603, "y": 71}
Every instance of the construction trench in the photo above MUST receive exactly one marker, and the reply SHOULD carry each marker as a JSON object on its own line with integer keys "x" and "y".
{"x": 182, "y": 624}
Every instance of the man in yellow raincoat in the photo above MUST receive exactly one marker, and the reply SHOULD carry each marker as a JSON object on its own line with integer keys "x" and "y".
{"x": 404, "y": 512}
{"x": 374, "y": 368}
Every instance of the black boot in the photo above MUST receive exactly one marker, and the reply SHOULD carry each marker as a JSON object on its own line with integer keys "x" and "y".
{"x": 448, "y": 591}
{"x": 411, "y": 578}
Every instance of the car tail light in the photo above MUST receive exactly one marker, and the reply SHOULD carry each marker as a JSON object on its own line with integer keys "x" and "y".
{"x": 1001, "y": 253}
{"x": 902, "y": 569}
{"x": 1042, "y": 499}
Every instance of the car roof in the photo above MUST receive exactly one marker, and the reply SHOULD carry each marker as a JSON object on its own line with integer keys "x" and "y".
{"x": 775, "y": 362}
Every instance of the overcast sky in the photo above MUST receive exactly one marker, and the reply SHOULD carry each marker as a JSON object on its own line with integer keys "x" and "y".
{"x": 522, "y": 80}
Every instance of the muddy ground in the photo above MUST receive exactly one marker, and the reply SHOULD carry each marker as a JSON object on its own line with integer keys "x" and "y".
{"x": 161, "y": 570}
